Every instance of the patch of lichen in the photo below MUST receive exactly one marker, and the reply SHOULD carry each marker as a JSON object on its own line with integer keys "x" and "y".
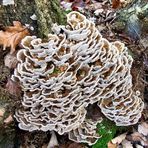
{"x": 48, "y": 13}
{"x": 59, "y": 16}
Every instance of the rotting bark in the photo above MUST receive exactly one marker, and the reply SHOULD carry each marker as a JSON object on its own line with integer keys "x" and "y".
{"x": 47, "y": 12}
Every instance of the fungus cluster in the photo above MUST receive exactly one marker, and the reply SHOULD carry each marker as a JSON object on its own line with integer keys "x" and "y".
{"x": 75, "y": 68}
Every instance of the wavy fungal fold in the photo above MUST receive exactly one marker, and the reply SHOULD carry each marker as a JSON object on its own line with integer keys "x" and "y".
{"x": 75, "y": 68}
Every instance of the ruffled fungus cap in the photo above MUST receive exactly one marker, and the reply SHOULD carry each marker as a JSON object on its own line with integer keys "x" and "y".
{"x": 60, "y": 78}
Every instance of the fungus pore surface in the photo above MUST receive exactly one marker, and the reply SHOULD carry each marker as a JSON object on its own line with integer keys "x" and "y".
{"x": 75, "y": 68}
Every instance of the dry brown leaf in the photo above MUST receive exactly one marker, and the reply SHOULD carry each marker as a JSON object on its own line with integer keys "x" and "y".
{"x": 127, "y": 144}
{"x": 116, "y": 4}
{"x": 120, "y": 3}
{"x": 143, "y": 128}
{"x": 139, "y": 146}
{"x": 13, "y": 88}
{"x": 53, "y": 141}
{"x": 111, "y": 145}
{"x": 87, "y": 1}
{"x": 72, "y": 145}
{"x": 119, "y": 139}
{"x": 75, "y": 145}
{"x": 2, "y": 111}
{"x": 136, "y": 136}
{"x": 8, "y": 120}
{"x": 44, "y": 146}
{"x": 13, "y": 35}
{"x": 10, "y": 61}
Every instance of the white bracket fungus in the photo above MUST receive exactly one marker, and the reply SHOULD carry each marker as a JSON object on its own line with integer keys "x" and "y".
{"x": 74, "y": 68}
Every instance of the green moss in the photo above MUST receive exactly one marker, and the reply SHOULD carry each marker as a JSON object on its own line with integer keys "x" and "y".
{"x": 48, "y": 13}
{"x": 59, "y": 13}
{"x": 56, "y": 71}
{"x": 107, "y": 130}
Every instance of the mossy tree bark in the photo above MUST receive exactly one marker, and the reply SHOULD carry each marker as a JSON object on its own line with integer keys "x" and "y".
{"x": 47, "y": 12}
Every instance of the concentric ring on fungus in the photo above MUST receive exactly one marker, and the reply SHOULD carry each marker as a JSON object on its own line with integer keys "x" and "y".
{"x": 74, "y": 69}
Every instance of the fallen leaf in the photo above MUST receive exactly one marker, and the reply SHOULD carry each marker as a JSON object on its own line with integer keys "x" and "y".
{"x": 87, "y": 1}
{"x": 136, "y": 136}
{"x": 116, "y": 4}
{"x": 119, "y": 139}
{"x": 75, "y": 145}
{"x": 138, "y": 146}
{"x": 2, "y": 111}
{"x": 98, "y": 11}
{"x": 10, "y": 61}
{"x": 111, "y": 145}
{"x": 44, "y": 146}
{"x": 13, "y": 35}
{"x": 8, "y": 120}
{"x": 77, "y": 4}
{"x": 66, "y": 5}
{"x": 127, "y": 144}
{"x": 53, "y": 140}
{"x": 72, "y": 145}
{"x": 143, "y": 128}
{"x": 13, "y": 88}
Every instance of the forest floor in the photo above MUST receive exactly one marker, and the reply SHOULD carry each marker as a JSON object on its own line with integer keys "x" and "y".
{"x": 115, "y": 21}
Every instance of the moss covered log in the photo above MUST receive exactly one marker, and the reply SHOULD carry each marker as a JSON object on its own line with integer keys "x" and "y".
{"x": 21, "y": 11}
{"x": 47, "y": 12}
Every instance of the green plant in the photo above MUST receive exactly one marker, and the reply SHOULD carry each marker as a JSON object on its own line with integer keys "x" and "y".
{"x": 107, "y": 130}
